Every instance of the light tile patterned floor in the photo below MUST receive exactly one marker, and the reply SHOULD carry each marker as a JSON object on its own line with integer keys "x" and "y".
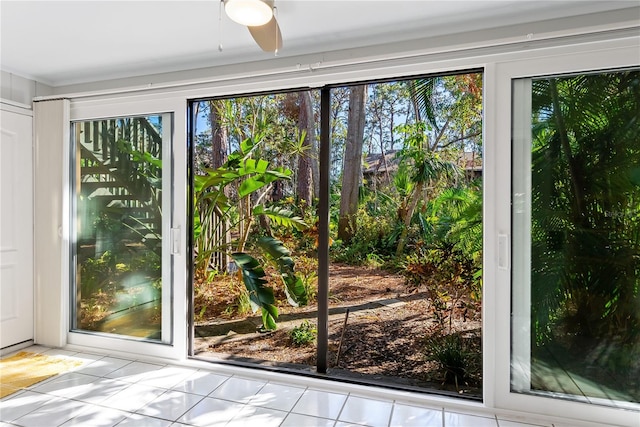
{"x": 111, "y": 391}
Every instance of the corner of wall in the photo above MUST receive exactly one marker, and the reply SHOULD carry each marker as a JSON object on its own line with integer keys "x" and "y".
{"x": 20, "y": 89}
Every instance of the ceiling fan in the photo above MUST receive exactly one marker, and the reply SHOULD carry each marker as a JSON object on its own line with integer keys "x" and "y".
{"x": 260, "y": 18}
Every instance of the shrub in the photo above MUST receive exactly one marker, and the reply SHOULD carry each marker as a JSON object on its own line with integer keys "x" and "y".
{"x": 307, "y": 268}
{"x": 450, "y": 280}
{"x": 450, "y": 353}
{"x": 303, "y": 334}
{"x": 375, "y": 237}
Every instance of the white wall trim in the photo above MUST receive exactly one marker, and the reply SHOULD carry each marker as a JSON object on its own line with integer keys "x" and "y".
{"x": 16, "y": 107}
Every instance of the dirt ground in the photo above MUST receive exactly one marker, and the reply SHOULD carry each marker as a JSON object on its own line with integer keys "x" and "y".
{"x": 383, "y": 340}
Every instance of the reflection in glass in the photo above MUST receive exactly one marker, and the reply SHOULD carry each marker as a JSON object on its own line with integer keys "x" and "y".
{"x": 584, "y": 238}
{"x": 118, "y": 206}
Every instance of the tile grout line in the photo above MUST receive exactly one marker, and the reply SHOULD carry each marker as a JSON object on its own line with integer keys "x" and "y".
{"x": 344, "y": 404}
{"x": 101, "y": 404}
{"x": 289, "y": 412}
{"x": 181, "y": 415}
{"x": 393, "y": 408}
{"x": 28, "y": 413}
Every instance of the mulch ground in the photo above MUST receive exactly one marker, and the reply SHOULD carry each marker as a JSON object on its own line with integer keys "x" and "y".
{"x": 384, "y": 337}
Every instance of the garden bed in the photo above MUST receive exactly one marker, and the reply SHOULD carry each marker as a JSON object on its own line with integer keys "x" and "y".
{"x": 385, "y": 337}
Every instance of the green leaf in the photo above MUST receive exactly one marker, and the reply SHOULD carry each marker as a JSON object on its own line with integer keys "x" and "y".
{"x": 261, "y": 166}
{"x": 260, "y": 296}
{"x": 281, "y": 216}
{"x": 294, "y": 288}
{"x": 248, "y": 167}
{"x": 269, "y": 316}
{"x": 246, "y": 146}
{"x": 250, "y": 185}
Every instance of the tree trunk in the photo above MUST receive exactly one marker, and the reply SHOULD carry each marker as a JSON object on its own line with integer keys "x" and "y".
{"x": 305, "y": 124}
{"x": 408, "y": 214}
{"x": 219, "y": 137}
{"x": 352, "y": 165}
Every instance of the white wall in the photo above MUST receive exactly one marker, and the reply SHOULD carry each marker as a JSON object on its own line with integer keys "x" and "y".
{"x": 21, "y": 90}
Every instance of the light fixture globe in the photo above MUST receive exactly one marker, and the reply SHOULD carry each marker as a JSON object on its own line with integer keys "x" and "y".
{"x": 252, "y": 13}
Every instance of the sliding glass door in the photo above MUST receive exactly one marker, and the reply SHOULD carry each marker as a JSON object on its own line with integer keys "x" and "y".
{"x": 375, "y": 278}
{"x": 120, "y": 264}
{"x": 576, "y": 237}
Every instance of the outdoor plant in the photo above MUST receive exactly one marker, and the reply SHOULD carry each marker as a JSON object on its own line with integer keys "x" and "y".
{"x": 449, "y": 280}
{"x": 585, "y": 220}
{"x": 250, "y": 178}
{"x": 303, "y": 334}
{"x": 427, "y": 168}
{"x": 374, "y": 239}
{"x": 451, "y": 355}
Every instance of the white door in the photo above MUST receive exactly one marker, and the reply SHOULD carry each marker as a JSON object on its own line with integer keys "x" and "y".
{"x": 16, "y": 226}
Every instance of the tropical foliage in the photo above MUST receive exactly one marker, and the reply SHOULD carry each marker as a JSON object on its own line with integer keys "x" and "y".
{"x": 586, "y": 211}
{"x": 417, "y": 211}
{"x": 249, "y": 179}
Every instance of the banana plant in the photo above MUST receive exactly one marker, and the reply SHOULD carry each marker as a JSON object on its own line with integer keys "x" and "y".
{"x": 250, "y": 178}
{"x": 261, "y": 296}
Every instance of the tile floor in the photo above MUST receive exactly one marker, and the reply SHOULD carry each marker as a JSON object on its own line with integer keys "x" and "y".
{"x": 113, "y": 391}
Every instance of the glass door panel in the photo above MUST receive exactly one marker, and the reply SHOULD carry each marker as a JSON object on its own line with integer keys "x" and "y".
{"x": 405, "y": 278}
{"x": 576, "y": 237}
{"x": 253, "y": 166}
{"x": 118, "y": 252}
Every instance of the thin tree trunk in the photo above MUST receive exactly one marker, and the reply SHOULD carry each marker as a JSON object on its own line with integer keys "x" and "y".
{"x": 305, "y": 124}
{"x": 417, "y": 195}
{"x": 352, "y": 166}
{"x": 315, "y": 167}
{"x": 219, "y": 137}
{"x": 566, "y": 147}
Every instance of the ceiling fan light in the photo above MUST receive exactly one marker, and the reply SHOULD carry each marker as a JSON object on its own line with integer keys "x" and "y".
{"x": 248, "y": 12}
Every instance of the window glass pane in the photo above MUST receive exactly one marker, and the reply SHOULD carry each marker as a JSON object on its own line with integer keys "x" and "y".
{"x": 576, "y": 219}
{"x": 405, "y": 280}
{"x": 118, "y": 226}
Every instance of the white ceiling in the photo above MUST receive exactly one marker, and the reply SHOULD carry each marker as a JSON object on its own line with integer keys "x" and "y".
{"x": 67, "y": 42}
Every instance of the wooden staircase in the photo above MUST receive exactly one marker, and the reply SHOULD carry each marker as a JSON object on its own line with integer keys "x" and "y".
{"x": 119, "y": 172}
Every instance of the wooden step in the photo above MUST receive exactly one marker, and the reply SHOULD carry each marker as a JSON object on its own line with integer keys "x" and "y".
{"x": 109, "y": 198}
{"x": 96, "y": 170}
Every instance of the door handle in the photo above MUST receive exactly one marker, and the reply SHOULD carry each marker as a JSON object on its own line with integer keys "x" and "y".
{"x": 175, "y": 241}
{"x": 503, "y": 251}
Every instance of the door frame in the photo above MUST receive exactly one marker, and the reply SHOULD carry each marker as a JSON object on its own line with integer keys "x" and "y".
{"x": 498, "y": 222}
